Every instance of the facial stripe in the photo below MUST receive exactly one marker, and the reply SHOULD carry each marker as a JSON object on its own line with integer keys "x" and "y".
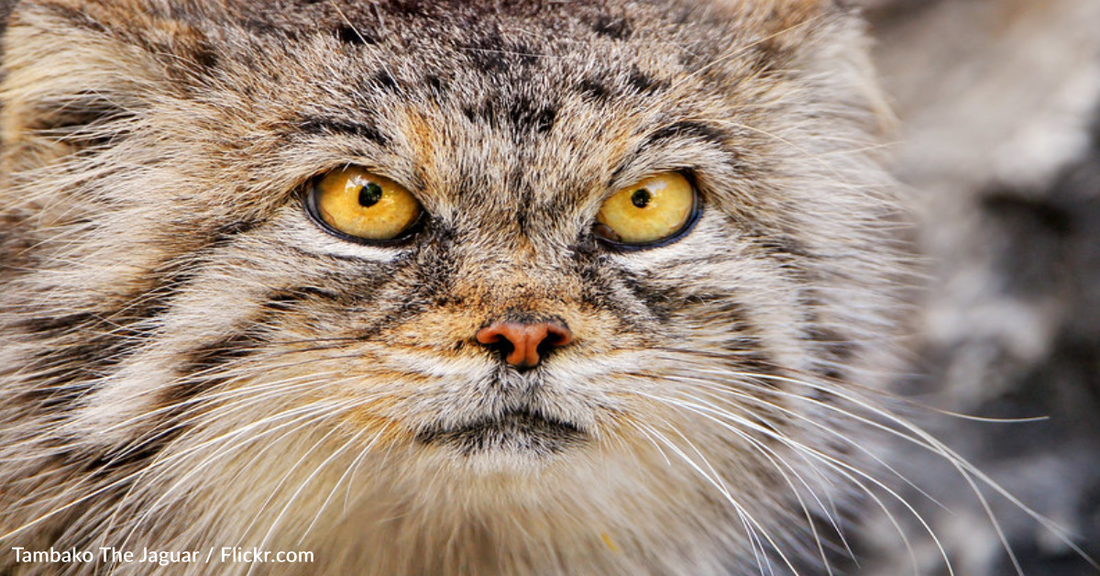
{"x": 318, "y": 125}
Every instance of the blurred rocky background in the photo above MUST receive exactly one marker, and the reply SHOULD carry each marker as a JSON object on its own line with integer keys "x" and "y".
{"x": 999, "y": 141}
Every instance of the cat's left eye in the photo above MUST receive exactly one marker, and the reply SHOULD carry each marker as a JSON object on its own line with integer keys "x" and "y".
{"x": 363, "y": 206}
{"x": 655, "y": 211}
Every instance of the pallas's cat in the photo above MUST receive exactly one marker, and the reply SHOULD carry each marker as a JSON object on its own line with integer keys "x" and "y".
{"x": 439, "y": 288}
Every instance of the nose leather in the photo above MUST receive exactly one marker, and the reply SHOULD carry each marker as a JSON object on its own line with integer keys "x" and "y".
{"x": 525, "y": 339}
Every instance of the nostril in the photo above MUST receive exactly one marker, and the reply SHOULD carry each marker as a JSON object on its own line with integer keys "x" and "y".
{"x": 557, "y": 336}
{"x": 522, "y": 344}
{"x": 493, "y": 338}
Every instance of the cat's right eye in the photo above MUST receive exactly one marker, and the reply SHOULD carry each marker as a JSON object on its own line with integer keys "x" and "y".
{"x": 357, "y": 204}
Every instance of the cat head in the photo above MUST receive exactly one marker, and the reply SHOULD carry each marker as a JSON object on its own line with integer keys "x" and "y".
{"x": 596, "y": 264}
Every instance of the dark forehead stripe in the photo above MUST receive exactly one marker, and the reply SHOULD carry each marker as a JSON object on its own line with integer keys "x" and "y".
{"x": 680, "y": 131}
{"x": 306, "y": 12}
{"x": 594, "y": 89}
{"x": 645, "y": 83}
{"x": 687, "y": 129}
{"x": 489, "y": 54}
{"x": 318, "y": 125}
{"x": 523, "y": 114}
{"x": 474, "y": 23}
{"x": 529, "y": 116}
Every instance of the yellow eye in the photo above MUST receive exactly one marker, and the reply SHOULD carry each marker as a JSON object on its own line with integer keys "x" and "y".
{"x": 357, "y": 203}
{"x": 652, "y": 210}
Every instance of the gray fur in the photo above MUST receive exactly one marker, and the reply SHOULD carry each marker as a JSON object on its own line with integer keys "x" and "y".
{"x": 188, "y": 361}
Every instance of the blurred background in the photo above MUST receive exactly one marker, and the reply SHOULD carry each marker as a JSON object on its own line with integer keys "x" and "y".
{"x": 999, "y": 140}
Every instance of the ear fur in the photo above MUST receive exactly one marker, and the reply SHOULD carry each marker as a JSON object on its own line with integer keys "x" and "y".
{"x": 822, "y": 40}
{"x": 77, "y": 74}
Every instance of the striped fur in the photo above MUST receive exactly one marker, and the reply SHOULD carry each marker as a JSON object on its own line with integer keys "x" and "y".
{"x": 187, "y": 361}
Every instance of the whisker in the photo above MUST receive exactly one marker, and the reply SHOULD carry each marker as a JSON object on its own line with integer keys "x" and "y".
{"x": 728, "y": 496}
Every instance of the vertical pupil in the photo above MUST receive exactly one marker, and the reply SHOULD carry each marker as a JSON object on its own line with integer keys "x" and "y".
{"x": 641, "y": 197}
{"x": 370, "y": 195}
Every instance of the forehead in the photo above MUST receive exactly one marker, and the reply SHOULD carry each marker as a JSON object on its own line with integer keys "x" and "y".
{"x": 527, "y": 98}
{"x": 525, "y": 50}
{"x": 611, "y": 52}
{"x": 463, "y": 21}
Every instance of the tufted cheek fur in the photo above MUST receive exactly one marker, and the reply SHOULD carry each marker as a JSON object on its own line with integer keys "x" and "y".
{"x": 188, "y": 360}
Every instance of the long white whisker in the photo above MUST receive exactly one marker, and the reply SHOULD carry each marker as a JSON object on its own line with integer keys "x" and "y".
{"x": 842, "y": 468}
{"x": 347, "y": 473}
{"x": 738, "y": 507}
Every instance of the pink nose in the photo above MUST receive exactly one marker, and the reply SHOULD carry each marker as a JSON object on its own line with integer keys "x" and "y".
{"x": 521, "y": 341}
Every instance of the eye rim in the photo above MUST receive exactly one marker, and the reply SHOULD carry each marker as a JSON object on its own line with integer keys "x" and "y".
{"x": 689, "y": 224}
{"x": 312, "y": 210}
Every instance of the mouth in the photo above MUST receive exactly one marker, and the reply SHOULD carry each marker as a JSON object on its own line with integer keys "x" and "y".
{"x": 515, "y": 431}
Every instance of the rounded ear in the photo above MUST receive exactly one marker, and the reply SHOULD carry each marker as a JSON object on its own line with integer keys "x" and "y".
{"x": 785, "y": 23}
{"x": 823, "y": 41}
{"x": 828, "y": 40}
{"x": 793, "y": 12}
{"x": 791, "y": 20}
{"x": 78, "y": 73}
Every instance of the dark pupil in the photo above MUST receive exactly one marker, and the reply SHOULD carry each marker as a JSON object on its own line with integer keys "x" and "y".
{"x": 370, "y": 195}
{"x": 641, "y": 197}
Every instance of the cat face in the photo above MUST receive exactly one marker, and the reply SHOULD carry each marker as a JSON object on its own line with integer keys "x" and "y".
{"x": 211, "y": 340}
